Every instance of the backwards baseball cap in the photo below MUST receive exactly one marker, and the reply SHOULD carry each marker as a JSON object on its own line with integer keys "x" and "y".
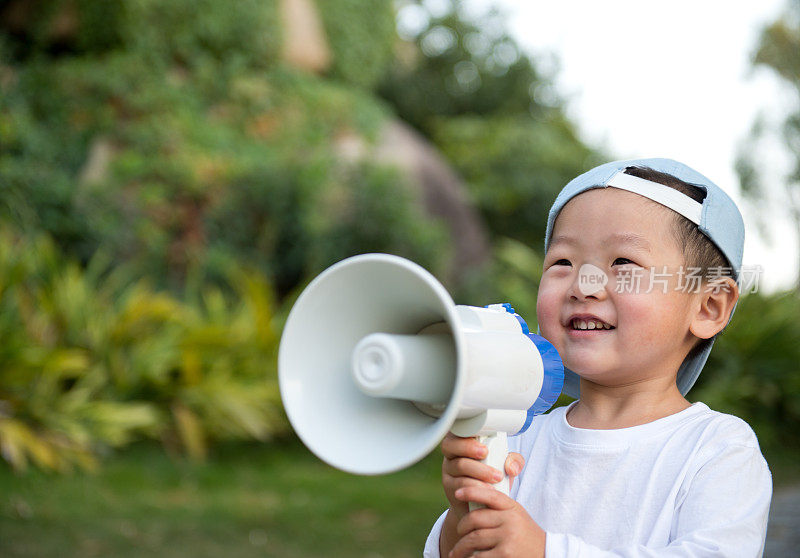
{"x": 716, "y": 216}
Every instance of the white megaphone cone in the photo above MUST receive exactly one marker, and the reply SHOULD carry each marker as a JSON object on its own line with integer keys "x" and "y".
{"x": 377, "y": 364}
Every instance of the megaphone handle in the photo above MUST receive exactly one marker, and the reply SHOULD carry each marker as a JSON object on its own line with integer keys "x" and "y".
{"x": 497, "y": 443}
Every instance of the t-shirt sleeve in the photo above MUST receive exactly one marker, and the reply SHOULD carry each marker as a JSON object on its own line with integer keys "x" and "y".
{"x": 721, "y": 511}
{"x": 432, "y": 544}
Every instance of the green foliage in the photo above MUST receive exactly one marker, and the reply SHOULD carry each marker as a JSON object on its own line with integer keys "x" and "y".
{"x": 183, "y": 144}
{"x": 779, "y": 51}
{"x": 459, "y": 66}
{"x": 203, "y": 35}
{"x": 752, "y": 370}
{"x": 469, "y": 87}
{"x": 173, "y": 172}
{"x": 779, "y": 47}
{"x": 91, "y": 359}
{"x": 49, "y": 26}
{"x": 361, "y": 38}
{"x": 53, "y": 408}
{"x": 517, "y": 272}
{"x": 189, "y": 33}
{"x": 369, "y": 211}
{"x": 194, "y": 33}
{"x": 514, "y": 168}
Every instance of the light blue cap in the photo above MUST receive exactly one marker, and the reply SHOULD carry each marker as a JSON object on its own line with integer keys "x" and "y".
{"x": 720, "y": 220}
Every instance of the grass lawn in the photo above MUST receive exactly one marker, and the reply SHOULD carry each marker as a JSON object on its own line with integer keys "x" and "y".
{"x": 252, "y": 500}
{"x": 276, "y": 500}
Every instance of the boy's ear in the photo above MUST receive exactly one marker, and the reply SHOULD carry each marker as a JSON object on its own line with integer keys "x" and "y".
{"x": 715, "y": 304}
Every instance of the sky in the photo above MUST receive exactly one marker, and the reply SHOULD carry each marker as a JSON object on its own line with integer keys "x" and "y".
{"x": 669, "y": 79}
{"x": 666, "y": 79}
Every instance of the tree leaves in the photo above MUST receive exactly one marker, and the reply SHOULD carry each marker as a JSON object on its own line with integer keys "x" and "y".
{"x": 91, "y": 361}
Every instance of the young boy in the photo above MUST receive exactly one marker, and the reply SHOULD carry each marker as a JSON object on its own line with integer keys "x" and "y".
{"x": 640, "y": 269}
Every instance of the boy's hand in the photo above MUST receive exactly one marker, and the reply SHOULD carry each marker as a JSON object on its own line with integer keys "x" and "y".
{"x": 461, "y": 467}
{"x": 502, "y": 528}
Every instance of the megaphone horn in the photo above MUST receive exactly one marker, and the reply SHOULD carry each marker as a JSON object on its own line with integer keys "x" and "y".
{"x": 377, "y": 363}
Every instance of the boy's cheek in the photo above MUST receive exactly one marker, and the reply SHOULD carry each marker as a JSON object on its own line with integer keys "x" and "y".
{"x": 546, "y": 313}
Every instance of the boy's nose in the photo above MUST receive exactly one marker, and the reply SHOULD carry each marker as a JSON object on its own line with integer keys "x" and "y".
{"x": 590, "y": 282}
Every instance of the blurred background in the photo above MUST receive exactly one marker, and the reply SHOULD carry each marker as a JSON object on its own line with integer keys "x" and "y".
{"x": 174, "y": 172}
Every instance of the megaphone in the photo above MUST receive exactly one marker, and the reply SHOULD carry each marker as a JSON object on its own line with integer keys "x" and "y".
{"x": 377, "y": 363}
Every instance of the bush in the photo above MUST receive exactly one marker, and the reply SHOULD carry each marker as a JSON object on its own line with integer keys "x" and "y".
{"x": 455, "y": 65}
{"x": 203, "y": 35}
{"x": 186, "y": 32}
{"x": 218, "y": 39}
{"x": 361, "y": 37}
{"x": 164, "y": 171}
{"x": 91, "y": 359}
{"x": 752, "y": 370}
{"x": 514, "y": 168}
{"x": 467, "y": 84}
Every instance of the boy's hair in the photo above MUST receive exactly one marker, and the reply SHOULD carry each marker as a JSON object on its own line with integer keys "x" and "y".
{"x": 699, "y": 250}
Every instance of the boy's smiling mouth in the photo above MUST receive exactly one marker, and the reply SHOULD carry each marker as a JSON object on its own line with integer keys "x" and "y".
{"x": 587, "y": 322}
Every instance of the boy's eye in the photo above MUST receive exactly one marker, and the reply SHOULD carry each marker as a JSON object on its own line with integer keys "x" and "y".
{"x": 622, "y": 261}
{"x": 562, "y": 261}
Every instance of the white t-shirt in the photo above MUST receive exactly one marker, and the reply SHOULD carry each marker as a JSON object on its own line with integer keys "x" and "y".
{"x": 690, "y": 484}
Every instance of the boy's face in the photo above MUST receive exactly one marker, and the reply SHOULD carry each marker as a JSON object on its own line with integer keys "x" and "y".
{"x": 628, "y": 240}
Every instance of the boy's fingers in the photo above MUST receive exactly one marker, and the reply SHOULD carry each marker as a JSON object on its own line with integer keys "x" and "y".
{"x": 483, "y": 518}
{"x": 454, "y": 446}
{"x": 460, "y": 482}
{"x": 514, "y": 464}
{"x": 481, "y": 539}
{"x": 486, "y": 495}
{"x": 465, "y": 467}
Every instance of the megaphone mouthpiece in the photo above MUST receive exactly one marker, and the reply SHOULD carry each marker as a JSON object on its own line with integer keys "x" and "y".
{"x": 420, "y": 368}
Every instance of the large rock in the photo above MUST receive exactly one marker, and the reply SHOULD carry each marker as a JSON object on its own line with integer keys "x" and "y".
{"x": 439, "y": 188}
